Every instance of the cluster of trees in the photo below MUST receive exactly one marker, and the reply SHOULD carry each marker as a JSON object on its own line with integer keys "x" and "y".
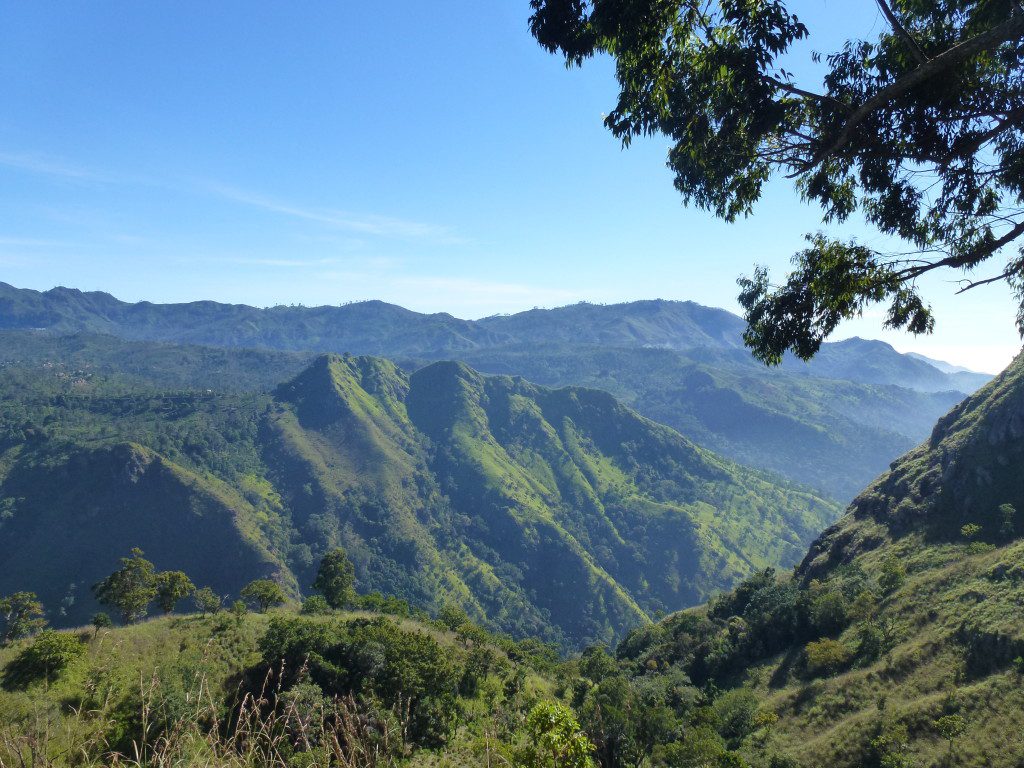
{"x": 136, "y": 585}
{"x": 766, "y": 615}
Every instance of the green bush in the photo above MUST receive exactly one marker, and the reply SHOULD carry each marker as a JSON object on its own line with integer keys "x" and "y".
{"x": 826, "y": 656}
{"x": 49, "y": 654}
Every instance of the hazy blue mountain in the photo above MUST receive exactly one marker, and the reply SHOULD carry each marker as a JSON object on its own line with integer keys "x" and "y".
{"x": 378, "y": 328}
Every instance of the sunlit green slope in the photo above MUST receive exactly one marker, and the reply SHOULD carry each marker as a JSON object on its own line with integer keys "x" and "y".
{"x": 558, "y": 513}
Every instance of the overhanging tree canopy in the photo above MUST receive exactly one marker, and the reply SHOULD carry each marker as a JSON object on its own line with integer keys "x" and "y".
{"x": 921, "y": 129}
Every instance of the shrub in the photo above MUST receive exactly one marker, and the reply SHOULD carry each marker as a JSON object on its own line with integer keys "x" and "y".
{"x": 314, "y": 605}
{"x": 373, "y": 658}
{"x": 554, "y": 739}
{"x": 893, "y": 574}
{"x": 48, "y": 655}
{"x": 829, "y": 612}
{"x": 827, "y": 656}
{"x": 207, "y": 601}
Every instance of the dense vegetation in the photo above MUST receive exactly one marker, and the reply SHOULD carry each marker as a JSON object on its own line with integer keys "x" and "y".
{"x": 557, "y": 513}
{"x": 829, "y": 433}
{"x": 899, "y": 640}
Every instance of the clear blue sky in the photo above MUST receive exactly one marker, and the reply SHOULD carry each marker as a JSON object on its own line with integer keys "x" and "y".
{"x": 428, "y": 154}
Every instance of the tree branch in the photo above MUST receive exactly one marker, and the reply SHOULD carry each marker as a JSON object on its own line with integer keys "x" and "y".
{"x": 902, "y": 33}
{"x": 1010, "y": 29}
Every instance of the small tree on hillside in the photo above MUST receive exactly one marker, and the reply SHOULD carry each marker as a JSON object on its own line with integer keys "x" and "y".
{"x": 950, "y": 727}
{"x": 172, "y": 586}
{"x": 207, "y": 601}
{"x": 23, "y": 613}
{"x": 129, "y": 589}
{"x": 894, "y": 573}
{"x": 263, "y": 592}
{"x": 335, "y": 578}
{"x": 48, "y": 655}
{"x": 970, "y": 531}
{"x": 555, "y": 739}
{"x": 1007, "y": 515}
{"x": 101, "y": 621}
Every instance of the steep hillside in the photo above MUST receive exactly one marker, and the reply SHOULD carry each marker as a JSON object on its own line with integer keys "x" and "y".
{"x": 874, "y": 362}
{"x": 830, "y": 434}
{"x": 277, "y": 690}
{"x": 900, "y": 639}
{"x": 558, "y": 513}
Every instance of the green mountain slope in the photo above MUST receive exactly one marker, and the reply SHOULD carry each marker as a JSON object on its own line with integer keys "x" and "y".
{"x": 905, "y": 612}
{"x": 553, "y": 512}
{"x": 832, "y": 434}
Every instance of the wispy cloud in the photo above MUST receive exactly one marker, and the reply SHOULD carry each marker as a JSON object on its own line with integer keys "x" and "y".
{"x": 32, "y": 242}
{"x": 257, "y": 261}
{"x": 49, "y": 166}
{"x": 362, "y": 223}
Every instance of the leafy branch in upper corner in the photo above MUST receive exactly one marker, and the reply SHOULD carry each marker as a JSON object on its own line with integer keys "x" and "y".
{"x": 920, "y": 129}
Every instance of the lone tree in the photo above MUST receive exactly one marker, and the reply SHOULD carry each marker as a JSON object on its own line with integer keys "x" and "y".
{"x": 172, "y": 586}
{"x": 129, "y": 589}
{"x": 335, "y": 578}
{"x": 23, "y": 613}
{"x": 920, "y": 128}
{"x": 207, "y": 601}
{"x": 951, "y": 727}
{"x": 263, "y": 592}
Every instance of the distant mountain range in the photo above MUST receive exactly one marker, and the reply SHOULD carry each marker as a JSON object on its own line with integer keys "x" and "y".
{"x": 556, "y": 513}
{"x": 834, "y": 423}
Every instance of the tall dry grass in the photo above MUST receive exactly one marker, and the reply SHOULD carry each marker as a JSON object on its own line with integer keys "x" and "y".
{"x": 268, "y": 729}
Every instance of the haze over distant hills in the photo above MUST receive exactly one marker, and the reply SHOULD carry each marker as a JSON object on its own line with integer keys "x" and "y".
{"x": 834, "y": 423}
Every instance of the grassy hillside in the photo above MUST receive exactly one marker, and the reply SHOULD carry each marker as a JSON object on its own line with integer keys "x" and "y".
{"x": 557, "y": 513}
{"x": 273, "y": 691}
{"x": 899, "y": 641}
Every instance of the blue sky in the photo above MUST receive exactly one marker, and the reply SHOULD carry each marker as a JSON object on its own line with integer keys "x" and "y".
{"x": 428, "y": 154}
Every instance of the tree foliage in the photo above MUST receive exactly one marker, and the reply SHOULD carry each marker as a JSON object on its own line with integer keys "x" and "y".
{"x": 555, "y": 739}
{"x": 207, "y": 601}
{"x": 131, "y": 588}
{"x": 48, "y": 655}
{"x": 335, "y": 578}
{"x": 23, "y": 613}
{"x": 172, "y": 586}
{"x": 920, "y": 129}
{"x": 263, "y": 592}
